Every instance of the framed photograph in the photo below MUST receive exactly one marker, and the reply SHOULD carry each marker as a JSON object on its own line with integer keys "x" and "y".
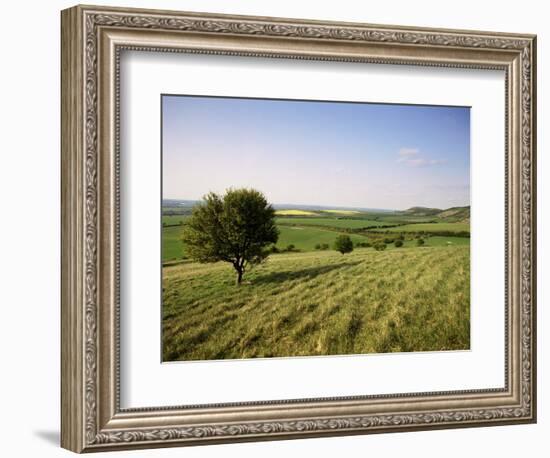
{"x": 278, "y": 228}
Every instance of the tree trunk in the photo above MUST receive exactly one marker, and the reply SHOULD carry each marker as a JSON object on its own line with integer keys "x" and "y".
{"x": 239, "y": 276}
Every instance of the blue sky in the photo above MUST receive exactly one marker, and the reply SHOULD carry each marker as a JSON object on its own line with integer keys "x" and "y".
{"x": 318, "y": 153}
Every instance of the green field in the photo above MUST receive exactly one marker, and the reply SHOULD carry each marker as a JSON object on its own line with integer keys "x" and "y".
{"x": 172, "y": 247}
{"x": 305, "y": 238}
{"x": 432, "y": 227}
{"x": 400, "y": 219}
{"x": 332, "y": 222}
{"x": 171, "y": 220}
{"x": 320, "y": 303}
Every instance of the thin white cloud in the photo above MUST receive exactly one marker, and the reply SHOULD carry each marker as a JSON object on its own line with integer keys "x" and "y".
{"x": 408, "y": 152}
{"x": 412, "y": 158}
{"x": 416, "y": 162}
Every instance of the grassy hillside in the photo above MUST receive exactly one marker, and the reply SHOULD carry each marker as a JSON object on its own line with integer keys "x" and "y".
{"x": 422, "y": 211}
{"x": 455, "y": 214}
{"x": 172, "y": 247}
{"x": 450, "y": 214}
{"x": 319, "y": 303}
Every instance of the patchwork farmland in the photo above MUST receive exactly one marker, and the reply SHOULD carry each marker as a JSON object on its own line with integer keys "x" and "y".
{"x": 322, "y": 227}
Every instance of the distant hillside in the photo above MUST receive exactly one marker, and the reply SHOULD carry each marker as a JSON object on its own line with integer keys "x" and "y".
{"x": 451, "y": 215}
{"x": 458, "y": 214}
{"x": 422, "y": 211}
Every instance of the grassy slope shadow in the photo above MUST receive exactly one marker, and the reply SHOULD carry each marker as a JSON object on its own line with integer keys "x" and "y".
{"x": 303, "y": 274}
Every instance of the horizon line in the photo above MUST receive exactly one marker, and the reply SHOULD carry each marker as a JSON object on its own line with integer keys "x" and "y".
{"x": 356, "y": 207}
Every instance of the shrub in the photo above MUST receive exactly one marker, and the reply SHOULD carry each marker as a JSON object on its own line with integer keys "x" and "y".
{"x": 324, "y": 246}
{"x": 420, "y": 242}
{"x": 366, "y": 244}
{"x": 398, "y": 243}
{"x": 343, "y": 244}
{"x": 379, "y": 246}
{"x": 317, "y": 246}
{"x": 290, "y": 247}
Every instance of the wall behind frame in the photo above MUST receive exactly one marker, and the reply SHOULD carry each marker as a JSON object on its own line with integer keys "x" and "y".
{"x": 29, "y": 233}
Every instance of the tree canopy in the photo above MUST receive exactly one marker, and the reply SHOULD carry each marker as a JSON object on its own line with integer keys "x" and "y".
{"x": 237, "y": 228}
{"x": 343, "y": 244}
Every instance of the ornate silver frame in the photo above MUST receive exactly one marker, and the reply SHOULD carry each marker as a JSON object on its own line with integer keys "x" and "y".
{"x": 92, "y": 38}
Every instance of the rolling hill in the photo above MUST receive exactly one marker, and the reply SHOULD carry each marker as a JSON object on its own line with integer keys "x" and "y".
{"x": 456, "y": 214}
{"x": 453, "y": 214}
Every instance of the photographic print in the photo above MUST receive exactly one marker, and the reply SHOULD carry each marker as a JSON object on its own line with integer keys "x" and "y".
{"x": 270, "y": 250}
{"x": 313, "y": 228}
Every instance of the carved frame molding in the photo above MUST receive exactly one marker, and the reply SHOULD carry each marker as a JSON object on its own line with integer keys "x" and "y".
{"x": 92, "y": 39}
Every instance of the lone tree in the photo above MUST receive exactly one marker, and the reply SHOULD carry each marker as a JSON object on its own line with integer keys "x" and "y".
{"x": 343, "y": 244}
{"x": 237, "y": 227}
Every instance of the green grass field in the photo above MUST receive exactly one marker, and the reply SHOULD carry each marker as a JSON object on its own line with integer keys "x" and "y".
{"x": 171, "y": 220}
{"x": 305, "y": 238}
{"x": 432, "y": 227}
{"x": 172, "y": 247}
{"x": 320, "y": 303}
{"x": 332, "y": 222}
{"x": 397, "y": 219}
